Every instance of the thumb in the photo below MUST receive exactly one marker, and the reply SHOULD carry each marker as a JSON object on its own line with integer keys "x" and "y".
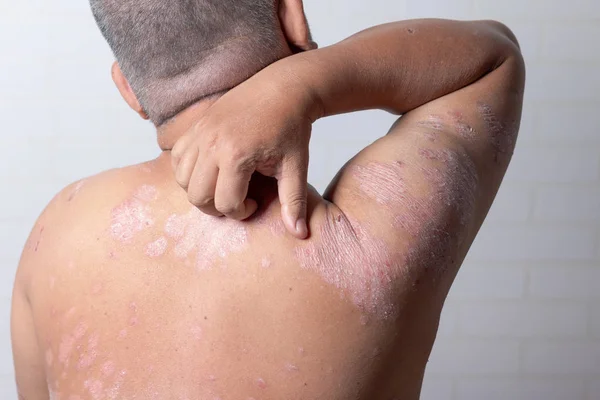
{"x": 292, "y": 186}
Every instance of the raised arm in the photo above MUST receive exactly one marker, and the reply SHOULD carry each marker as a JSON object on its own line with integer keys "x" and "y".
{"x": 420, "y": 194}
{"x": 264, "y": 124}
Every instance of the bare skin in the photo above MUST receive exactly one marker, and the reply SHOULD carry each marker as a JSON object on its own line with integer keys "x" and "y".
{"x": 127, "y": 291}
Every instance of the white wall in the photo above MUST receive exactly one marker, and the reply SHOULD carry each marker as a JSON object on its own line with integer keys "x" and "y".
{"x": 523, "y": 319}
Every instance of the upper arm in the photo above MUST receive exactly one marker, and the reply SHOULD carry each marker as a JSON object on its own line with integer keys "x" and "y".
{"x": 28, "y": 322}
{"x": 29, "y": 364}
{"x": 47, "y": 282}
{"x": 426, "y": 187}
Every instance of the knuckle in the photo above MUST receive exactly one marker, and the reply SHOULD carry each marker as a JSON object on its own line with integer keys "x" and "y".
{"x": 180, "y": 148}
{"x": 237, "y": 155}
{"x": 210, "y": 142}
{"x": 210, "y": 211}
{"x": 201, "y": 201}
{"x": 181, "y": 180}
{"x": 235, "y": 151}
{"x": 296, "y": 200}
{"x": 177, "y": 151}
{"x": 229, "y": 209}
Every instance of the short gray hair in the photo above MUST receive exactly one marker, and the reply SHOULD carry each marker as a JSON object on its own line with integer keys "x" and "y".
{"x": 175, "y": 52}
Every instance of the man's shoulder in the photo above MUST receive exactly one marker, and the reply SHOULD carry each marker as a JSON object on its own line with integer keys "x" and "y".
{"x": 79, "y": 212}
{"x": 91, "y": 194}
{"x": 84, "y": 197}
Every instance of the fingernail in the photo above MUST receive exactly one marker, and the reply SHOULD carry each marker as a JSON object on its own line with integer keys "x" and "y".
{"x": 301, "y": 227}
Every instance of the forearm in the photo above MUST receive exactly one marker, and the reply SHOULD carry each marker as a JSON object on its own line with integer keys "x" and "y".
{"x": 400, "y": 66}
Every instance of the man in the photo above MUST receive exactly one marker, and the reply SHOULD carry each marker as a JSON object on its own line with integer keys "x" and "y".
{"x": 127, "y": 291}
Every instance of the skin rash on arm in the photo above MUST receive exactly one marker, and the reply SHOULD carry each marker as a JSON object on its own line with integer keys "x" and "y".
{"x": 350, "y": 253}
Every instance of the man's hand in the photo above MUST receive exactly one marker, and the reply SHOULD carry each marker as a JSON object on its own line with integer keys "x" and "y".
{"x": 263, "y": 125}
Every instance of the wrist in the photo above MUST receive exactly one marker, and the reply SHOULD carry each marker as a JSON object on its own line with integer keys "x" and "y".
{"x": 299, "y": 79}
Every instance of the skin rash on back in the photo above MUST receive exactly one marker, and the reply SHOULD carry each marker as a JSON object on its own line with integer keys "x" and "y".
{"x": 346, "y": 256}
{"x": 347, "y": 253}
{"x": 81, "y": 351}
{"x": 210, "y": 239}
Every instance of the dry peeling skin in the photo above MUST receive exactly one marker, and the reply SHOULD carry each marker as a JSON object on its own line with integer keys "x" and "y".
{"x": 433, "y": 121}
{"x": 157, "y": 248}
{"x": 354, "y": 262}
{"x": 503, "y": 137}
{"x": 81, "y": 350}
{"x": 209, "y": 238}
{"x": 365, "y": 267}
{"x": 465, "y": 130}
{"x": 133, "y": 215}
{"x": 434, "y": 124}
{"x": 439, "y": 223}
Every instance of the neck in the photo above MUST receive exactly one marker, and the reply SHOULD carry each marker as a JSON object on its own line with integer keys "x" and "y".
{"x": 170, "y": 132}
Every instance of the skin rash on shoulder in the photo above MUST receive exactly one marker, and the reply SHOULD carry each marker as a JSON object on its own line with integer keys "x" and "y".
{"x": 210, "y": 239}
{"x": 350, "y": 255}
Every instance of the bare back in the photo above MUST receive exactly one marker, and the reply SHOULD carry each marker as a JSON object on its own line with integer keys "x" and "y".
{"x": 147, "y": 298}
{"x": 126, "y": 292}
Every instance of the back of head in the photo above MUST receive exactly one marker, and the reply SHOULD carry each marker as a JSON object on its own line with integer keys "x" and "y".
{"x": 175, "y": 52}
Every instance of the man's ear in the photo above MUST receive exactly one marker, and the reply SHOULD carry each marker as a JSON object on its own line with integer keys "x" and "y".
{"x": 295, "y": 26}
{"x": 125, "y": 90}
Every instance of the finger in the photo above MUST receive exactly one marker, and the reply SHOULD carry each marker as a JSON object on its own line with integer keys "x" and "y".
{"x": 201, "y": 190}
{"x": 179, "y": 149}
{"x": 231, "y": 192}
{"x": 292, "y": 186}
{"x": 185, "y": 167}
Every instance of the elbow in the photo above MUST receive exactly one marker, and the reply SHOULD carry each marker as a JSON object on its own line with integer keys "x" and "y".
{"x": 501, "y": 29}
{"x": 507, "y": 48}
{"x": 506, "y": 39}
{"x": 514, "y": 56}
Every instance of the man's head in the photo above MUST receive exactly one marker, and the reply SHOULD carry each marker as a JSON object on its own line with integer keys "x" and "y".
{"x": 172, "y": 53}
